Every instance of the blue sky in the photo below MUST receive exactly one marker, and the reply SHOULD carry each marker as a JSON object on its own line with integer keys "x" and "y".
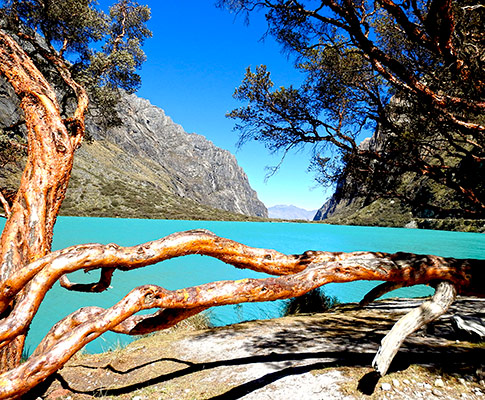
{"x": 196, "y": 58}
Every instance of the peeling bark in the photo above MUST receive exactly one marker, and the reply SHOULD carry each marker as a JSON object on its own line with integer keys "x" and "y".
{"x": 294, "y": 276}
{"x": 5, "y": 205}
{"x": 28, "y": 269}
{"x": 28, "y": 230}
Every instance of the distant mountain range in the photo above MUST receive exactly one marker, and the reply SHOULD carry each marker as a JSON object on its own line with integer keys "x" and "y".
{"x": 290, "y": 212}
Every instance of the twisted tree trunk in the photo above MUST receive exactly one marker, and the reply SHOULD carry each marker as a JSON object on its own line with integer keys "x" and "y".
{"x": 28, "y": 230}
{"x": 295, "y": 275}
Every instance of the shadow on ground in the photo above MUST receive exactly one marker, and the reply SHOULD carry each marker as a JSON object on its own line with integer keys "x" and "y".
{"x": 240, "y": 360}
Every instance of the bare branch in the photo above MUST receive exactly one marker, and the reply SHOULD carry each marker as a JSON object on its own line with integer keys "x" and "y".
{"x": 474, "y": 7}
{"x": 100, "y": 286}
{"x": 300, "y": 273}
{"x": 379, "y": 291}
{"x": 5, "y": 205}
{"x": 428, "y": 311}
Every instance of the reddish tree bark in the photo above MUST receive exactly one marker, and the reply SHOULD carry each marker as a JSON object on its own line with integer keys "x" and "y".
{"x": 295, "y": 275}
{"x": 28, "y": 230}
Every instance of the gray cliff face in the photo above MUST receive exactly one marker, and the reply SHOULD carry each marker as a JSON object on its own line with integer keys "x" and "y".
{"x": 195, "y": 167}
{"x": 355, "y": 203}
{"x": 147, "y": 167}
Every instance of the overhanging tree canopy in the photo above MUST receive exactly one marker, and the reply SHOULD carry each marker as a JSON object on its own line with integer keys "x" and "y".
{"x": 28, "y": 268}
{"x": 412, "y": 69}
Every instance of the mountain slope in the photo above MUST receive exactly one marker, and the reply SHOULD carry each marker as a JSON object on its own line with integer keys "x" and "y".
{"x": 355, "y": 201}
{"x": 148, "y": 167}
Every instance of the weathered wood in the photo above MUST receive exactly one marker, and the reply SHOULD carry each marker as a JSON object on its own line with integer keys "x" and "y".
{"x": 303, "y": 272}
{"x": 444, "y": 296}
{"x": 295, "y": 275}
{"x": 27, "y": 273}
{"x": 27, "y": 234}
{"x": 5, "y": 205}
{"x": 469, "y": 327}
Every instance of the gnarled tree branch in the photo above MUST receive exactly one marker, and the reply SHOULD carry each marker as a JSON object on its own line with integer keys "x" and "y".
{"x": 427, "y": 312}
{"x": 295, "y": 275}
{"x": 5, "y": 205}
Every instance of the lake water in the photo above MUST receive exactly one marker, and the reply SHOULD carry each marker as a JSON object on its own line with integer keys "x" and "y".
{"x": 289, "y": 238}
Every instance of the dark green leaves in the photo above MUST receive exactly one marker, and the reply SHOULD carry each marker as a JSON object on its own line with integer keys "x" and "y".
{"x": 104, "y": 50}
{"x": 410, "y": 72}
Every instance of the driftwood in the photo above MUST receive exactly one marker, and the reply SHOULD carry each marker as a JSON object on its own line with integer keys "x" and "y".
{"x": 294, "y": 276}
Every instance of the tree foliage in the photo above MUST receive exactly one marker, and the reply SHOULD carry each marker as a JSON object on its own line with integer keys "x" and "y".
{"x": 101, "y": 52}
{"x": 413, "y": 70}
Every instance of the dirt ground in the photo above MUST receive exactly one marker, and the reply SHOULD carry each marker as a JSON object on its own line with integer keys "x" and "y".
{"x": 319, "y": 356}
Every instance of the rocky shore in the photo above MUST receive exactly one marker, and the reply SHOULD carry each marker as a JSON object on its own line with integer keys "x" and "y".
{"x": 320, "y": 356}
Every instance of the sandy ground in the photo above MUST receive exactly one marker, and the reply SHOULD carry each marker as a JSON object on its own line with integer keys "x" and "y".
{"x": 320, "y": 356}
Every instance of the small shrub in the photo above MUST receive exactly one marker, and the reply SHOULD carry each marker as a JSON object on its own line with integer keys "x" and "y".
{"x": 315, "y": 301}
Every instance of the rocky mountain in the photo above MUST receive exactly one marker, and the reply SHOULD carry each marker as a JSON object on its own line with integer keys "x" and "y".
{"x": 147, "y": 167}
{"x": 283, "y": 211}
{"x": 355, "y": 202}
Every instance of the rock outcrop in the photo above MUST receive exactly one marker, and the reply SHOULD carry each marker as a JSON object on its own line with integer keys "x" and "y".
{"x": 355, "y": 201}
{"x": 188, "y": 165}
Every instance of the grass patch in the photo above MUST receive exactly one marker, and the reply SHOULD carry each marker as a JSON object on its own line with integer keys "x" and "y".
{"x": 315, "y": 301}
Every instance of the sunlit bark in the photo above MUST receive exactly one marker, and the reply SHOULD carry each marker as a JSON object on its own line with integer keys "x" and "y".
{"x": 427, "y": 312}
{"x": 295, "y": 275}
{"x": 28, "y": 230}
{"x": 28, "y": 269}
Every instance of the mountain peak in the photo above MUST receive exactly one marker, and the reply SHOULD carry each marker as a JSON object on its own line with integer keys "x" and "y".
{"x": 289, "y": 211}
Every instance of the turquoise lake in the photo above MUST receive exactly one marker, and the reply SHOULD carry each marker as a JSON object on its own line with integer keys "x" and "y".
{"x": 289, "y": 238}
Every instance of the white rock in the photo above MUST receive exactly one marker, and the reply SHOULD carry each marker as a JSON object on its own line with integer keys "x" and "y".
{"x": 396, "y": 383}
{"x": 411, "y": 225}
{"x": 386, "y": 386}
{"x": 439, "y": 382}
